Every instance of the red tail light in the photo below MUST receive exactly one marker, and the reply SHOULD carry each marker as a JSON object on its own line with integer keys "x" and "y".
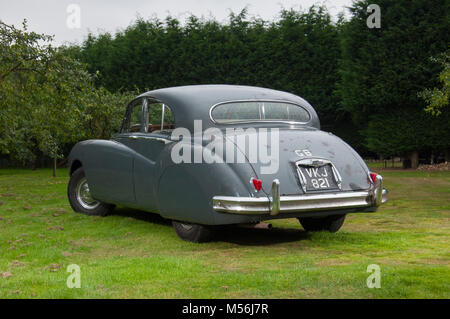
{"x": 373, "y": 176}
{"x": 257, "y": 183}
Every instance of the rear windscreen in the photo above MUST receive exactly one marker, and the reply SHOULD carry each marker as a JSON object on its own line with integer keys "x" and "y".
{"x": 253, "y": 111}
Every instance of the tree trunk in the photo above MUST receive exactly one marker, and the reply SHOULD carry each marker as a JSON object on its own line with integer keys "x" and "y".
{"x": 447, "y": 155}
{"x": 413, "y": 157}
{"x": 54, "y": 166}
{"x": 411, "y": 160}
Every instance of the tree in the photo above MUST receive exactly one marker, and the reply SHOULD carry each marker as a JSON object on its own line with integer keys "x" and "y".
{"x": 298, "y": 53}
{"x": 436, "y": 98}
{"x": 48, "y": 100}
{"x": 383, "y": 69}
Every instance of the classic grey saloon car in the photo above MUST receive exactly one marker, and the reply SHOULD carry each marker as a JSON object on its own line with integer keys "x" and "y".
{"x": 208, "y": 155}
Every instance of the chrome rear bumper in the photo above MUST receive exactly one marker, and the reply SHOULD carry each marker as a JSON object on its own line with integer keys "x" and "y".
{"x": 276, "y": 204}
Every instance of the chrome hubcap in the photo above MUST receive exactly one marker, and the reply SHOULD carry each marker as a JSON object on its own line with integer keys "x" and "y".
{"x": 186, "y": 226}
{"x": 84, "y": 196}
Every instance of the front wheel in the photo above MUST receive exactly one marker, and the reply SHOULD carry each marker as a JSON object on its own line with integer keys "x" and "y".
{"x": 330, "y": 223}
{"x": 80, "y": 197}
{"x": 192, "y": 232}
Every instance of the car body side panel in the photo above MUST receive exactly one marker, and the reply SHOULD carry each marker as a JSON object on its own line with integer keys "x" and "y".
{"x": 185, "y": 190}
{"x": 108, "y": 166}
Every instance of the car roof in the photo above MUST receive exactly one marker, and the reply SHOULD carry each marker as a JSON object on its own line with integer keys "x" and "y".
{"x": 193, "y": 102}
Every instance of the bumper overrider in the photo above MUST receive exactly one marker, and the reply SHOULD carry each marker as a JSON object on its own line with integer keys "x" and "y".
{"x": 275, "y": 204}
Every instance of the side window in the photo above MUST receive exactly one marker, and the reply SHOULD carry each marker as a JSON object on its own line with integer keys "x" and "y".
{"x": 133, "y": 121}
{"x": 156, "y": 122}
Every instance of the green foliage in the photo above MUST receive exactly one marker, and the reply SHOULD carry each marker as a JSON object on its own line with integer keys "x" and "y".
{"x": 383, "y": 69}
{"x": 48, "y": 100}
{"x": 363, "y": 82}
{"x": 398, "y": 132}
{"x": 438, "y": 98}
{"x": 298, "y": 53}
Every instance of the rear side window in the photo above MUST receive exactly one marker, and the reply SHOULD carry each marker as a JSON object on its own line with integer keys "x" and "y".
{"x": 256, "y": 111}
{"x": 160, "y": 118}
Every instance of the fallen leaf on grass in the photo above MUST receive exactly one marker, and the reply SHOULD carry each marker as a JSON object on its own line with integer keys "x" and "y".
{"x": 66, "y": 254}
{"x": 55, "y": 215}
{"x": 12, "y": 248}
{"x": 53, "y": 267}
{"x": 17, "y": 263}
{"x": 56, "y": 228}
{"x": 6, "y": 274}
{"x": 27, "y": 207}
{"x": 21, "y": 255}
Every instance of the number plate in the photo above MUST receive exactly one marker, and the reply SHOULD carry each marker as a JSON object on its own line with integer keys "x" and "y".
{"x": 317, "y": 178}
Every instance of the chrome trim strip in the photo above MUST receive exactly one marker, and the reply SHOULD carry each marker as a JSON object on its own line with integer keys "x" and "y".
{"x": 275, "y": 199}
{"x": 301, "y": 203}
{"x": 260, "y": 121}
{"x": 144, "y": 116}
{"x": 162, "y": 116}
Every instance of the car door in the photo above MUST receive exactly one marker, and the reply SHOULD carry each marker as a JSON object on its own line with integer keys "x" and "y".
{"x": 147, "y": 139}
{"x": 151, "y": 142}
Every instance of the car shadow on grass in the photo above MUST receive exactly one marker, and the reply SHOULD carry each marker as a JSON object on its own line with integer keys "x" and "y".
{"x": 229, "y": 234}
{"x": 140, "y": 215}
{"x": 258, "y": 237}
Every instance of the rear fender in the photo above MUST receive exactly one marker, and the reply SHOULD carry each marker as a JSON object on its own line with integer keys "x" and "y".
{"x": 185, "y": 190}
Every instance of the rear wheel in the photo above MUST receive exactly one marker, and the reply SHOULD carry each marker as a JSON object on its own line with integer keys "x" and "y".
{"x": 331, "y": 223}
{"x": 80, "y": 197}
{"x": 192, "y": 232}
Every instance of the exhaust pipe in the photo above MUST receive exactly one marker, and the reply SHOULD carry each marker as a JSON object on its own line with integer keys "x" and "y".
{"x": 256, "y": 226}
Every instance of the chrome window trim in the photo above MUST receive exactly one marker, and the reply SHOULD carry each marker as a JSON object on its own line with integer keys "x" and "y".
{"x": 144, "y": 116}
{"x": 162, "y": 116}
{"x": 259, "y": 121}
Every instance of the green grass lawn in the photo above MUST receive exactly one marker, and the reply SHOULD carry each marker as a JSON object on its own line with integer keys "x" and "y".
{"x": 133, "y": 254}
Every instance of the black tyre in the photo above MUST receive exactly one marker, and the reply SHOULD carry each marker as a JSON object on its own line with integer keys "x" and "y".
{"x": 80, "y": 198}
{"x": 192, "y": 232}
{"x": 331, "y": 223}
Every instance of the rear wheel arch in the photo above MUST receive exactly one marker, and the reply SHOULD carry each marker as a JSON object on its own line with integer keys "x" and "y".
{"x": 76, "y": 164}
